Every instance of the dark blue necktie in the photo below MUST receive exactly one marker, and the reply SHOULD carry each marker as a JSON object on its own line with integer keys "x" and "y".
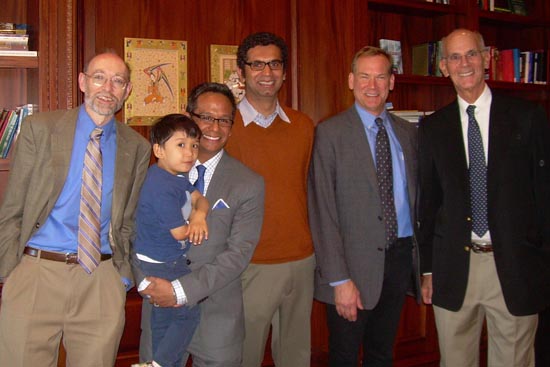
{"x": 384, "y": 172}
{"x": 199, "y": 184}
{"x": 478, "y": 176}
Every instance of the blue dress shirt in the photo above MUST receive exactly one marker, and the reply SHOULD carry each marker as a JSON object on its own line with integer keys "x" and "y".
{"x": 400, "y": 193}
{"x": 60, "y": 231}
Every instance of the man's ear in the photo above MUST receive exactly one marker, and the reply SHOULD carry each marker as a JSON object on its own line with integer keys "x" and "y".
{"x": 443, "y": 67}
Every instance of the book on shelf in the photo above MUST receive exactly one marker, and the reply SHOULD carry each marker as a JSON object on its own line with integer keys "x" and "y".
{"x": 425, "y": 59}
{"x": 500, "y": 6}
{"x": 14, "y": 41}
{"x": 518, "y": 7}
{"x": 509, "y": 64}
{"x": 526, "y": 65}
{"x": 12, "y": 126}
{"x": 393, "y": 47}
{"x": 23, "y": 53}
{"x": 13, "y": 27}
{"x": 540, "y": 66}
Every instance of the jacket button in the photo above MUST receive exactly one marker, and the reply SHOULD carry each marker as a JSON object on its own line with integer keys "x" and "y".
{"x": 188, "y": 262}
{"x": 541, "y": 163}
{"x": 466, "y": 248}
{"x": 468, "y": 219}
{"x": 37, "y": 225}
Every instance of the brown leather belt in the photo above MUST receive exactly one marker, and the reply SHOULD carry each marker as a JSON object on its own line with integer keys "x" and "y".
{"x": 68, "y": 258}
{"x": 479, "y": 248}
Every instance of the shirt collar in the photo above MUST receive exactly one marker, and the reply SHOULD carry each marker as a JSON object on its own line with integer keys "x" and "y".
{"x": 483, "y": 101}
{"x": 368, "y": 118}
{"x": 86, "y": 125}
{"x": 210, "y": 165}
{"x": 250, "y": 114}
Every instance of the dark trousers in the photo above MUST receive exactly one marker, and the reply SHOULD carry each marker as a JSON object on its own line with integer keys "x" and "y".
{"x": 374, "y": 329}
{"x": 542, "y": 340}
{"x": 172, "y": 328}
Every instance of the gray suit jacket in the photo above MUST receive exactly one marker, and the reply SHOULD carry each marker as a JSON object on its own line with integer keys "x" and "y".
{"x": 39, "y": 169}
{"x": 218, "y": 262}
{"x": 345, "y": 211}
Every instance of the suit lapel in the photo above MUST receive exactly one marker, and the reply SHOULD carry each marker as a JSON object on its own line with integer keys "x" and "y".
{"x": 500, "y": 135}
{"x": 218, "y": 180}
{"x": 123, "y": 170}
{"x": 360, "y": 144}
{"x": 61, "y": 145}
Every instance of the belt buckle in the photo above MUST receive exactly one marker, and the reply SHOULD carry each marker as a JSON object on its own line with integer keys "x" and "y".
{"x": 476, "y": 248}
{"x": 71, "y": 258}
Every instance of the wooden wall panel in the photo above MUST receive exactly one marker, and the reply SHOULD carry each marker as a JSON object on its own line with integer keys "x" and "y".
{"x": 200, "y": 23}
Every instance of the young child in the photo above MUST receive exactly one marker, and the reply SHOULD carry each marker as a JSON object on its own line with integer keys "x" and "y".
{"x": 167, "y": 200}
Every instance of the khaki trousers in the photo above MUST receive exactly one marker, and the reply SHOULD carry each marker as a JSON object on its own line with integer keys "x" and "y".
{"x": 280, "y": 295}
{"x": 44, "y": 300}
{"x": 510, "y": 338}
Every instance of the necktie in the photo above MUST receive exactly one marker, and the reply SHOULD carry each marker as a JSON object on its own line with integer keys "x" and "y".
{"x": 384, "y": 172}
{"x": 478, "y": 175}
{"x": 89, "y": 223}
{"x": 199, "y": 184}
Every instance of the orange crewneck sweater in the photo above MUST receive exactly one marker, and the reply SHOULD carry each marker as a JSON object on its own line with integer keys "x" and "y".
{"x": 281, "y": 154}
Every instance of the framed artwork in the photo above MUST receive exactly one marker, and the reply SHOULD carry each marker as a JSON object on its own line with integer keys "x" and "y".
{"x": 223, "y": 69}
{"x": 159, "y": 79}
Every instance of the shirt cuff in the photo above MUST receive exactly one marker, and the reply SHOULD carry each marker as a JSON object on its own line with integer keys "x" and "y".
{"x": 334, "y": 284}
{"x": 181, "y": 298}
{"x": 127, "y": 283}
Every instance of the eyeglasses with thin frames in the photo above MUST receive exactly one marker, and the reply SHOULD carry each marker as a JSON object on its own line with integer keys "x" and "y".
{"x": 260, "y": 65}
{"x": 222, "y": 122}
{"x": 99, "y": 80}
{"x": 457, "y": 58}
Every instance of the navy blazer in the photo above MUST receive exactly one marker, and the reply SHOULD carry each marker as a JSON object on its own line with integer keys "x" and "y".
{"x": 518, "y": 190}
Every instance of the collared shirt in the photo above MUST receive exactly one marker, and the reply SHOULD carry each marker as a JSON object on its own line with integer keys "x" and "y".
{"x": 211, "y": 164}
{"x": 482, "y": 113}
{"x": 59, "y": 232}
{"x": 400, "y": 193}
{"x": 250, "y": 114}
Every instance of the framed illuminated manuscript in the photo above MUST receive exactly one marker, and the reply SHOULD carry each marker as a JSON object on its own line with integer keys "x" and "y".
{"x": 159, "y": 79}
{"x": 223, "y": 69}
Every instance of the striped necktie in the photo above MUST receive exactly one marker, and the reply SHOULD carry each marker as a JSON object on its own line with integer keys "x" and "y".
{"x": 89, "y": 223}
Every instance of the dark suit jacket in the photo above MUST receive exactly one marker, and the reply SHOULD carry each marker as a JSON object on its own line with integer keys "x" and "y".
{"x": 344, "y": 205}
{"x": 518, "y": 181}
{"x": 39, "y": 169}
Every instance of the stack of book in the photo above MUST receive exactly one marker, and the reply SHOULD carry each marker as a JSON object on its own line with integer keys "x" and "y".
{"x": 10, "y": 124}
{"x": 514, "y": 65}
{"x": 412, "y": 116}
{"x": 14, "y": 40}
{"x": 504, "y": 6}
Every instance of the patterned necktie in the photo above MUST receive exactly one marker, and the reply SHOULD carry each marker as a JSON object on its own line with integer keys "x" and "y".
{"x": 89, "y": 223}
{"x": 478, "y": 176}
{"x": 384, "y": 172}
{"x": 199, "y": 184}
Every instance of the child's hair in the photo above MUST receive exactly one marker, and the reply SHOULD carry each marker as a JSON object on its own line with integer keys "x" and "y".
{"x": 166, "y": 126}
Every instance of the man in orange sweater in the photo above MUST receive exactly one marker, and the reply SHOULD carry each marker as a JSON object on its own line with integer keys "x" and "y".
{"x": 276, "y": 142}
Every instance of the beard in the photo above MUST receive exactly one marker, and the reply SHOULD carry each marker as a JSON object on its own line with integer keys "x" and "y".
{"x": 103, "y": 109}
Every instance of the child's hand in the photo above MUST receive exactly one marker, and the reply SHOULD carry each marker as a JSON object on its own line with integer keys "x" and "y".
{"x": 198, "y": 230}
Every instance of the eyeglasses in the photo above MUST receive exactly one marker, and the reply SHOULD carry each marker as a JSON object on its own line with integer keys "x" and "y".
{"x": 210, "y": 120}
{"x": 260, "y": 65}
{"x": 456, "y": 58}
{"x": 99, "y": 80}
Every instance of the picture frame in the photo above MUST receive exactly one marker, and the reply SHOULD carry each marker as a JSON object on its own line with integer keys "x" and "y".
{"x": 159, "y": 79}
{"x": 223, "y": 69}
